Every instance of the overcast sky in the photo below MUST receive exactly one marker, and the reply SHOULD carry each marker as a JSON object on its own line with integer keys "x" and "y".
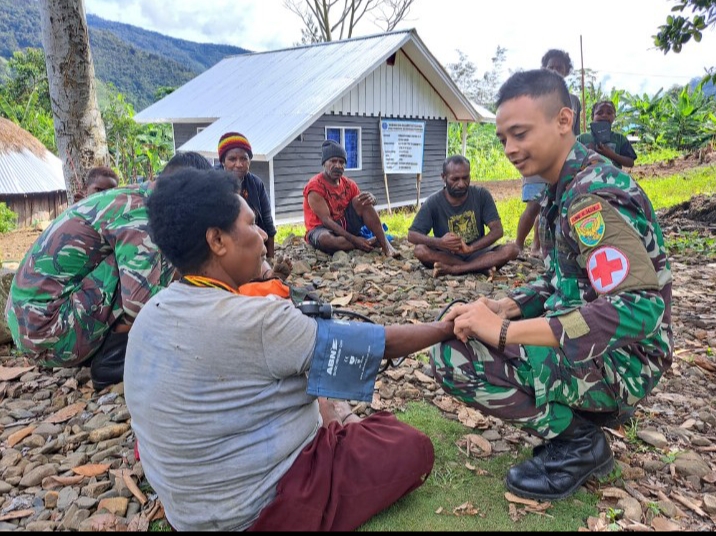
{"x": 616, "y": 34}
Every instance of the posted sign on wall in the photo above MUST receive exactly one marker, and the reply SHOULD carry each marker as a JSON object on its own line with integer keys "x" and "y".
{"x": 402, "y": 145}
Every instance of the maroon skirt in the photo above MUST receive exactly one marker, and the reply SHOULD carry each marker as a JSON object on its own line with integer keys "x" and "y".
{"x": 347, "y": 474}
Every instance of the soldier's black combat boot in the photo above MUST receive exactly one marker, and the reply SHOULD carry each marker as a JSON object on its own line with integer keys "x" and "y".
{"x": 107, "y": 366}
{"x": 561, "y": 465}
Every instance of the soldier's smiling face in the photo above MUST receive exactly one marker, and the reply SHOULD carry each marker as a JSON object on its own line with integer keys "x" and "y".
{"x": 536, "y": 134}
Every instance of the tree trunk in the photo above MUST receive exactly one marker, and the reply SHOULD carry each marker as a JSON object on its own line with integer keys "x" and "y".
{"x": 79, "y": 129}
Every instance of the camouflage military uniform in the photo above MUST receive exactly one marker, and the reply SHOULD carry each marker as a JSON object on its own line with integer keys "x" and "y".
{"x": 94, "y": 267}
{"x": 606, "y": 292}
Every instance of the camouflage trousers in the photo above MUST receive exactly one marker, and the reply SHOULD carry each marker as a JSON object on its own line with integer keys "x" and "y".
{"x": 532, "y": 387}
{"x": 68, "y": 331}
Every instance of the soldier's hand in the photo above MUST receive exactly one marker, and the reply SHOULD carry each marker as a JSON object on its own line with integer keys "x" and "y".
{"x": 477, "y": 320}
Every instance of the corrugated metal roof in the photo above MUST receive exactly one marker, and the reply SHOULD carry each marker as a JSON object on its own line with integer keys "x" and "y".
{"x": 486, "y": 116}
{"x": 22, "y": 172}
{"x": 271, "y": 97}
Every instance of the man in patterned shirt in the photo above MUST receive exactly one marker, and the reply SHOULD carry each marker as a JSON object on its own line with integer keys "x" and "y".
{"x": 591, "y": 337}
{"x": 80, "y": 286}
{"x": 457, "y": 216}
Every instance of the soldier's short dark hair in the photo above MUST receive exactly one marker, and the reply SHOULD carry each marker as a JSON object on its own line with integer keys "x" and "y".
{"x": 456, "y": 159}
{"x": 186, "y": 159}
{"x": 184, "y": 206}
{"x": 534, "y": 84}
{"x": 559, "y": 55}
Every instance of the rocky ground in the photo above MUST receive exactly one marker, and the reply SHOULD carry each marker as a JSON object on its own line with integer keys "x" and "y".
{"x": 67, "y": 451}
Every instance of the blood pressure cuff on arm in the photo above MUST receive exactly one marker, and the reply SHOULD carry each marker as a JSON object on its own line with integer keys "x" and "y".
{"x": 346, "y": 359}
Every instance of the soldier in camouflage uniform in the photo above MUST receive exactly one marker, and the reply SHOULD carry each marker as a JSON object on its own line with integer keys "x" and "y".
{"x": 79, "y": 288}
{"x": 594, "y": 335}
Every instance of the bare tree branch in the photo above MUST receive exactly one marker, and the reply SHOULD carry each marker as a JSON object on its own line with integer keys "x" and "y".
{"x": 324, "y": 20}
{"x": 392, "y": 12}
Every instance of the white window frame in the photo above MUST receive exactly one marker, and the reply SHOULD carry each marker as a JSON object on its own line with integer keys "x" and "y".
{"x": 342, "y": 130}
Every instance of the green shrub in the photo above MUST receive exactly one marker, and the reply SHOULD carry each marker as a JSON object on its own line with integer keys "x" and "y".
{"x": 8, "y": 219}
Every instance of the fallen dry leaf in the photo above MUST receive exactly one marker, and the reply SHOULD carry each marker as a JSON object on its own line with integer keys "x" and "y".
{"x": 693, "y": 505}
{"x": 363, "y": 267}
{"x": 418, "y": 304}
{"x": 439, "y": 510}
{"x": 465, "y": 509}
{"x": 511, "y": 497}
{"x": 66, "y": 413}
{"x": 12, "y": 373}
{"x": 705, "y": 363}
{"x": 126, "y": 477}
{"x": 17, "y": 514}
{"x": 597, "y": 524}
{"x": 14, "y": 438}
{"x": 661, "y": 524}
{"x": 423, "y": 378}
{"x": 614, "y": 493}
{"x": 472, "y": 418}
{"x": 92, "y": 469}
{"x": 475, "y": 445}
{"x": 446, "y": 404}
{"x": 342, "y": 301}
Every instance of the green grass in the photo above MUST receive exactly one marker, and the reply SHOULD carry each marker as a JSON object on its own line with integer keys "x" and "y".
{"x": 651, "y": 155}
{"x": 491, "y": 164}
{"x": 669, "y": 191}
{"x": 451, "y": 484}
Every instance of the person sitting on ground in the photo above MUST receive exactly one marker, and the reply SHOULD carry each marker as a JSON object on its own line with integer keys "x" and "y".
{"x": 335, "y": 210}
{"x": 98, "y": 179}
{"x": 457, "y": 215}
{"x": 618, "y": 149}
{"x": 217, "y": 385}
{"x": 235, "y": 156}
{"x": 583, "y": 344}
{"x": 80, "y": 286}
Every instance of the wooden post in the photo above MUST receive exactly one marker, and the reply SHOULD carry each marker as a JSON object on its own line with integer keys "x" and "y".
{"x": 417, "y": 183}
{"x": 464, "y": 137}
{"x": 382, "y": 164}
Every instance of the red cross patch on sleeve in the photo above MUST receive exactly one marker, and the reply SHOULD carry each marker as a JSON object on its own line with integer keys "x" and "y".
{"x": 607, "y": 268}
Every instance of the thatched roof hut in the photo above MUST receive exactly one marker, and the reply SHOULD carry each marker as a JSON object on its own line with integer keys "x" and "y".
{"x": 31, "y": 180}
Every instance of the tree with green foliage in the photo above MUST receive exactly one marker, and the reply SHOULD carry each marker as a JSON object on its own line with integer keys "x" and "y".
{"x": 481, "y": 90}
{"x": 25, "y": 96}
{"x": 679, "y": 30}
{"x": 135, "y": 149}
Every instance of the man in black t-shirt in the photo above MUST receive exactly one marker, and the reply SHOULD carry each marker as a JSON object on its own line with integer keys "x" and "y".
{"x": 457, "y": 216}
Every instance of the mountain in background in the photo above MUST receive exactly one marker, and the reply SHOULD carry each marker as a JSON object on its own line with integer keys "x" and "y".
{"x": 709, "y": 88}
{"x": 135, "y": 61}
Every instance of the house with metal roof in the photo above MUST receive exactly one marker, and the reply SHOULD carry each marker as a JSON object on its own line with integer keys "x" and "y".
{"x": 287, "y": 102}
{"x": 31, "y": 181}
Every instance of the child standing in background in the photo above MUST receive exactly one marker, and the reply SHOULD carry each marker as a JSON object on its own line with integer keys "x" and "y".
{"x": 618, "y": 149}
